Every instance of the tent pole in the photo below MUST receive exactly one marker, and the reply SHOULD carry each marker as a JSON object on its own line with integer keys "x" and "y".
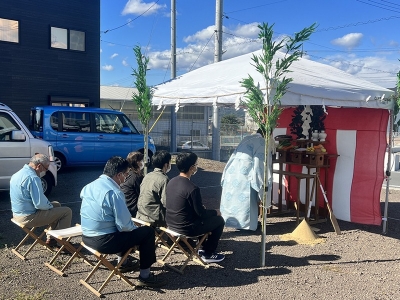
{"x": 388, "y": 173}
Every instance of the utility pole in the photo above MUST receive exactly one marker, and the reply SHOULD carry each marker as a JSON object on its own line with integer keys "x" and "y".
{"x": 173, "y": 72}
{"x": 216, "y": 137}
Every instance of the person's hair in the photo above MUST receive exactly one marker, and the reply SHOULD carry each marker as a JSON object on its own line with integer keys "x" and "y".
{"x": 133, "y": 159}
{"x": 115, "y": 165}
{"x": 261, "y": 131}
{"x": 40, "y": 159}
{"x": 160, "y": 158}
{"x": 185, "y": 160}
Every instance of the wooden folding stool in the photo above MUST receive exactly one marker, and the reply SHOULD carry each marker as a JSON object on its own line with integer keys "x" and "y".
{"x": 29, "y": 233}
{"x": 160, "y": 241}
{"x": 191, "y": 253}
{"x": 63, "y": 237}
{"x": 102, "y": 260}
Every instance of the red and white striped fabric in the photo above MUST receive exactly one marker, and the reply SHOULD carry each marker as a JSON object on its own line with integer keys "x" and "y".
{"x": 354, "y": 179}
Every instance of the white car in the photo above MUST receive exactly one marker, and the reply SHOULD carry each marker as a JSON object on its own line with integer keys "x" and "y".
{"x": 17, "y": 146}
{"x": 196, "y": 146}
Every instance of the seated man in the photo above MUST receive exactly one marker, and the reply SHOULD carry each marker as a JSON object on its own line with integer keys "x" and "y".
{"x": 186, "y": 213}
{"x": 29, "y": 204}
{"x": 131, "y": 187}
{"x": 107, "y": 226}
{"x": 151, "y": 203}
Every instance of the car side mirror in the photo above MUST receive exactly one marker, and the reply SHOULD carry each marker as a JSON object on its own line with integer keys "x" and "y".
{"x": 18, "y": 135}
{"x": 126, "y": 130}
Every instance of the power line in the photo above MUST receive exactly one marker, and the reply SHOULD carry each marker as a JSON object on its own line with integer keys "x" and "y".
{"x": 390, "y": 2}
{"x": 108, "y": 30}
{"x": 256, "y": 6}
{"x": 378, "y": 6}
{"x": 358, "y": 23}
{"x": 202, "y": 50}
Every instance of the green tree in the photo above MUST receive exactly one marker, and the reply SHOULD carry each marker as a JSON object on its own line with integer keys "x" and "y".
{"x": 265, "y": 108}
{"x": 230, "y": 124}
{"x": 142, "y": 98}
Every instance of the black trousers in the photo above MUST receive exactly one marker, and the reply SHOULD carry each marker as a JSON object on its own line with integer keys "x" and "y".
{"x": 120, "y": 242}
{"x": 215, "y": 225}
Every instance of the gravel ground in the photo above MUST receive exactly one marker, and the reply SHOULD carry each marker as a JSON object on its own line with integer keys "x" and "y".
{"x": 362, "y": 263}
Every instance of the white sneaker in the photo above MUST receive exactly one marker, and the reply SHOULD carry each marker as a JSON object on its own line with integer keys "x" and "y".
{"x": 215, "y": 257}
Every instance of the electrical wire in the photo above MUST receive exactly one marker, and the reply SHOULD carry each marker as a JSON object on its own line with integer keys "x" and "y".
{"x": 256, "y": 6}
{"x": 202, "y": 50}
{"x": 397, "y": 11}
{"x": 108, "y": 30}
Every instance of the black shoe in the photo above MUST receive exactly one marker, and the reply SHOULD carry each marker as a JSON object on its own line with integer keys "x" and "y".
{"x": 129, "y": 266}
{"x": 151, "y": 281}
{"x": 51, "y": 243}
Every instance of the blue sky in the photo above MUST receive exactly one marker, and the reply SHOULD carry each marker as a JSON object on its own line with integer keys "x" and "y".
{"x": 361, "y": 37}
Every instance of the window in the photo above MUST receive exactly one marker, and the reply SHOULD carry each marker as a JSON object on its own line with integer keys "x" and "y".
{"x": 74, "y": 121}
{"x": 62, "y": 38}
{"x": 7, "y": 125}
{"x": 77, "y": 40}
{"x": 9, "y": 30}
{"x": 108, "y": 123}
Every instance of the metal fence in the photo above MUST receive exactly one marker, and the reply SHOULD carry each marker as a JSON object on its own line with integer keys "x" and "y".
{"x": 196, "y": 136}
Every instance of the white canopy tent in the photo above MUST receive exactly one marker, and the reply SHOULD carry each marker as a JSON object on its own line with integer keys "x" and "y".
{"x": 313, "y": 84}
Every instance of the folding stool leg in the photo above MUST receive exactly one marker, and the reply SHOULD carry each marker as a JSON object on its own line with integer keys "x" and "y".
{"x": 190, "y": 255}
{"x": 75, "y": 252}
{"x": 29, "y": 233}
{"x": 195, "y": 256}
{"x": 114, "y": 271}
{"x": 160, "y": 241}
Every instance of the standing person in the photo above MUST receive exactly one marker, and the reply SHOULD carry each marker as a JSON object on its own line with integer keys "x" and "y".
{"x": 152, "y": 198}
{"x": 29, "y": 204}
{"x": 107, "y": 226}
{"x": 131, "y": 186}
{"x": 186, "y": 213}
{"x": 242, "y": 182}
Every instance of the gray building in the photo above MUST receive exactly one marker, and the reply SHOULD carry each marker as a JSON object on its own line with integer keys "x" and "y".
{"x": 50, "y": 53}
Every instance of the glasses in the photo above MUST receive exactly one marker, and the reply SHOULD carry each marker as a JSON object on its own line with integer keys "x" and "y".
{"x": 45, "y": 167}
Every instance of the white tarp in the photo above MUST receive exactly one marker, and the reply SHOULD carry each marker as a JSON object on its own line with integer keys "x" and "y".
{"x": 313, "y": 84}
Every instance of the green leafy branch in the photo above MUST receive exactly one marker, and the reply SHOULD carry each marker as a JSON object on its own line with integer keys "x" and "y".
{"x": 143, "y": 97}
{"x": 264, "y": 108}
{"x": 274, "y": 78}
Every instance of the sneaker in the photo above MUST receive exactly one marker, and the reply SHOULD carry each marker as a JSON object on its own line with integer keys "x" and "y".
{"x": 215, "y": 257}
{"x": 151, "y": 281}
{"x": 129, "y": 266}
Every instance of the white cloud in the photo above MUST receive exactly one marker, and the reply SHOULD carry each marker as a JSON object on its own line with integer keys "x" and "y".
{"x": 349, "y": 41}
{"x": 101, "y": 50}
{"x": 138, "y": 7}
{"x": 125, "y": 62}
{"x": 393, "y": 44}
{"x": 107, "y": 67}
{"x": 114, "y": 55}
{"x": 377, "y": 69}
{"x": 237, "y": 41}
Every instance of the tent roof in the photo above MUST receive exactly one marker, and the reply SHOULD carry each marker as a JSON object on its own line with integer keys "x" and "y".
{"x": 313, "y": 84}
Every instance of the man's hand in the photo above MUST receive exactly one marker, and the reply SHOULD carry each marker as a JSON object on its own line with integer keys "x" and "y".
{"x": 218, "y": 212}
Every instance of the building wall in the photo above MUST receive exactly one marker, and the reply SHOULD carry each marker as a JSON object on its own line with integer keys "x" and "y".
{"x": 32, "y": 72}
